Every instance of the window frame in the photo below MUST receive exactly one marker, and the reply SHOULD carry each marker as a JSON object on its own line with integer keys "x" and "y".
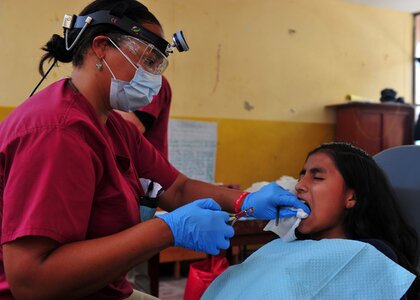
{"x": 416, "y": 64}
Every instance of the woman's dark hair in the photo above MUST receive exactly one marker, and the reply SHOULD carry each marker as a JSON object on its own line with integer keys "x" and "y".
{"x": 376, "y": 214}
{"x": 56, "y": 49}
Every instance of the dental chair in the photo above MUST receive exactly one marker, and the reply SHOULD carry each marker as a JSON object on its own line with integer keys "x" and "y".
{"x": 402, "y": 167}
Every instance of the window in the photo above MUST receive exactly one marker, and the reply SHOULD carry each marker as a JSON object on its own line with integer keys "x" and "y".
{"x": 417, "y": 68}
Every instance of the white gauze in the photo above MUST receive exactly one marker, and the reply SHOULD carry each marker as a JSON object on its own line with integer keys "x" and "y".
{"x": 286, "y": 226}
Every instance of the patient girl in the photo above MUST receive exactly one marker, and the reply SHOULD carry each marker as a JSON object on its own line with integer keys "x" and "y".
{"x": 350, "y": 198}
{"x": 351, "y": 202}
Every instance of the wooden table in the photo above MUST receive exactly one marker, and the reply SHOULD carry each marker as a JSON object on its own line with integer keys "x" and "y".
{"x": 249, "y": 232}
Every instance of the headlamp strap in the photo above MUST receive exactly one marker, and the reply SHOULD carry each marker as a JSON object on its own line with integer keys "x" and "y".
{"x": 119, "y": 10}
{"x": 125, "y": 24}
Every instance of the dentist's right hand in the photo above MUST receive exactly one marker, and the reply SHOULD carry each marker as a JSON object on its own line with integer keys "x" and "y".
{"x": 200, "y": 226}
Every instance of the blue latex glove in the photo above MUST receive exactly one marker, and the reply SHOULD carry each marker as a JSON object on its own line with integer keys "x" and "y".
{"x": 266, "y": 200}
{"x": 200, "y": 226}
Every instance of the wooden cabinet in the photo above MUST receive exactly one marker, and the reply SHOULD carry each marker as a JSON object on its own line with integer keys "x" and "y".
{"x": 374, "y": 126}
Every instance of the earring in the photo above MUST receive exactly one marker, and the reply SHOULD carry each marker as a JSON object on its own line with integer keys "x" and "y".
{"x": 99, "y": 66}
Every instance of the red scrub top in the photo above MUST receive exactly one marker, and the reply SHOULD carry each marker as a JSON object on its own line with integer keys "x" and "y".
{"x": 67, "y": 176}
{"x": 159, "y": 108}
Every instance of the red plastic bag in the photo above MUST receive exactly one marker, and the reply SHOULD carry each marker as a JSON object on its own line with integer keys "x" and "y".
{"x": 201, "y": 274}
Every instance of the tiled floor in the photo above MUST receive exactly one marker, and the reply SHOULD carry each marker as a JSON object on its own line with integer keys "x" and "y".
{"x": 172, "y": 289}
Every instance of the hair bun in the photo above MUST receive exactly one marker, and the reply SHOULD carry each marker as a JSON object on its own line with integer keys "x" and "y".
{"x": 56, "y": 47}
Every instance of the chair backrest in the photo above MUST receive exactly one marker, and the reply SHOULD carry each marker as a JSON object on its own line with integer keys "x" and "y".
{"x": 402, "y": 167}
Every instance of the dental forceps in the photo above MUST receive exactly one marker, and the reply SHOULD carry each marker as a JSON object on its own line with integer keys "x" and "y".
{"x": 243, "y": 213}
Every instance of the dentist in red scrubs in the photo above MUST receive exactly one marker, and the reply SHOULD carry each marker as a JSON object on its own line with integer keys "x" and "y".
{"x": 70, "y": 168}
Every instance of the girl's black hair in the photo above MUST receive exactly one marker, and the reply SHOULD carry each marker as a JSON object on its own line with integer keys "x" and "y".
{"x": 56, "y": 49}
{"x": 376, "y": 214}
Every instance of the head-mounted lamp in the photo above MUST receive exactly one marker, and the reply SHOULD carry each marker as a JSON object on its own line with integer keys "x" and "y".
{"x": 125, "y": 24}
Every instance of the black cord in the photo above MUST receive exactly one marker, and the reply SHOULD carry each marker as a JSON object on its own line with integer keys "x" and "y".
{"x": 43, "y": 77}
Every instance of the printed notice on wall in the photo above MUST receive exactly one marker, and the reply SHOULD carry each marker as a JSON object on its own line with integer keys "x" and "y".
{"x": 192, "y": 148}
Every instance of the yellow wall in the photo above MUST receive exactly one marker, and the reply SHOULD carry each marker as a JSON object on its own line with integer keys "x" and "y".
{"x": 249, "y": 151}
{"x": 286, "y": 58}
{"x": 265, "y": 69}
{"x": 4, "y": 111}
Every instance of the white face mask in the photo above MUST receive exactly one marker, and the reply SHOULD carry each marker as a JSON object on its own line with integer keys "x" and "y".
{"x": 130, "y": 96}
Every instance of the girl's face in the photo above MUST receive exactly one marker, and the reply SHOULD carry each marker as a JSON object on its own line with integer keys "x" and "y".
{"x": 325, "y": 192}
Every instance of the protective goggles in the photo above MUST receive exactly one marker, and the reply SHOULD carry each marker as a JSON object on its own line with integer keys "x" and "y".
{"x": 147, "y": 56}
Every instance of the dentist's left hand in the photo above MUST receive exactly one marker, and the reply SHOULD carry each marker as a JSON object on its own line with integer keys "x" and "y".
{"x": 200, "y": 226}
